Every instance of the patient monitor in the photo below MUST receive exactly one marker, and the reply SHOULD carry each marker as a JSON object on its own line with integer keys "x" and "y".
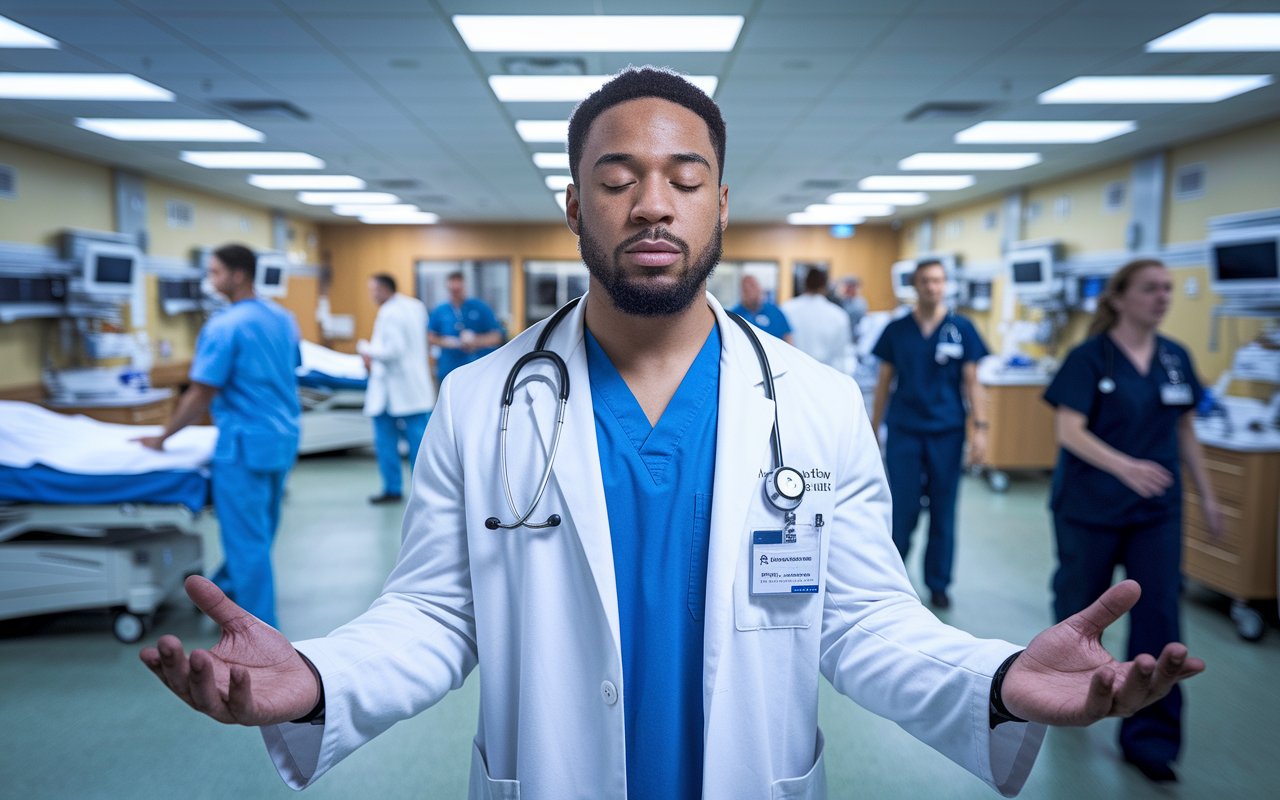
{"x": 272, "y": 278}
{"x": 111, "y": 268}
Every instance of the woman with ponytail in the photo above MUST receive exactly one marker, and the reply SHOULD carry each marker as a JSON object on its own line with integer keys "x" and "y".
{"x": 1124, "y": 399}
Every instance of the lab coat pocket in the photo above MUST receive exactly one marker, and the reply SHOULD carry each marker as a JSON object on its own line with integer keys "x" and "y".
{"x": 698, "y": 555}
{"x": 485, "y": 788}
{"x": 810, "y": 786}
{"x": 769, "y": 611}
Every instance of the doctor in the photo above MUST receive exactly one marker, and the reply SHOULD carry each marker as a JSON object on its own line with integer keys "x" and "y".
{"x": 400, "y": 393}
{"x": 623, "y": 652}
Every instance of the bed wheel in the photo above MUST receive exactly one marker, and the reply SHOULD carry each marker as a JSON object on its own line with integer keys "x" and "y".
{"x": 128, "y": 627}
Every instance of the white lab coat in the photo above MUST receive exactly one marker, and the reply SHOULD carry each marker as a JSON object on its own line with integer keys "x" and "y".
{"x": 819, "y": 328}
{"x": 399, "y": 381}
{"x": 538, "y": 609}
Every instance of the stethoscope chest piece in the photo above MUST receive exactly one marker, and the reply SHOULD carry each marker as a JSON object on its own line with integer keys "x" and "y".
{"x": 1106, "y": 385}
{"x": 784, "y": 488}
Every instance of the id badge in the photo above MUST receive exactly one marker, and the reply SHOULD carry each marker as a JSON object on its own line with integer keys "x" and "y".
{"x": 780, "y": 566}
{"x": 1176, "y": 394}
{"x": 947, "y": 350}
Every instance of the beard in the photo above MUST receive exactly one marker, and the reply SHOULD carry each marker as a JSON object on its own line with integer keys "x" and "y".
{"x": 632, "y": 297}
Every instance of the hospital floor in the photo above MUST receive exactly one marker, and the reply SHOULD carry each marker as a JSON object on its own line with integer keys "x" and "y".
{"x": 82, "y": 718}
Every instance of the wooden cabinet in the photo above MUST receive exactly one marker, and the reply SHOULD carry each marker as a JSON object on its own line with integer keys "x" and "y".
{"x": 1021, "y": 435}
{"x": 1243, "y": 563}
{"x": 156, "y": 412}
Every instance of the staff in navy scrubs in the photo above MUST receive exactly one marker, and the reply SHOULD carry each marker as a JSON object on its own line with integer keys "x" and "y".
{"x": 1124, "y": 400}
{"x": 933, "y": 353}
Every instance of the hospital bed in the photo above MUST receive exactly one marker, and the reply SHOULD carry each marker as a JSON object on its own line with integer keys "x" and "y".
{"x": 331, "y": 389}
{"x": 91, "y": 520}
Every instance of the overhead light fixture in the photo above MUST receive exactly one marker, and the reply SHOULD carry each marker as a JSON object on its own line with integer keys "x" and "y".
{"x": 421, "y": 218}
{"x": 1222, "y": 33}
{"x": 307, "y": 182}
{"x": 172, "y": 130}
{"x": 543, "y": 130}
{"x": 558, "y": 183}
{"x": 843, "y": 213}
{"x": 14, "y": 35}
{"x": 361, "y": 209}
{"x": 977, "y": 161}
{"x": 567, "y": 88}
{"x": 1153, "y": 88}
{"x": 805, "y": 218}
{"x": 922, "y": 183}
{"x": 340, "y": 198}
{"x": 553, "y": 33}
{"x": 893, "y": 198}
{"x": 551, "y": 160}
{"x": 562, "y": 200}
{"x": 79, "y": 86}
{"x": 251, "y": 159}
{"x": 1047, "y": 132}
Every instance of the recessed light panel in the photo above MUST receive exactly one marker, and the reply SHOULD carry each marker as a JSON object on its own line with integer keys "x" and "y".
{"x": 566, "y": 88}
{"x": 77, "y": 86}
{"x": 911, "y": 183}
{"x": 381, "y": 216}
{"x": 598, "y": 33}
{"x": 1043, "y": 132}
{"x": 298, "y": 183}
{"x": 558, "y": 183}
{"x": 893, "y": 198}
{"x": 357, "y": 209}
{"x": 1222, "y": 33}
{"x": 14, "y": 35}
{"x": 337, "y": 198}
{"x": 251, "y": 159}
{"x": 842, "y": 213}
{"x": 551, "y": 160}
{"x": 543, "y": 130}
{"x": 1153, "y": 88}
{"x": 805, "y": 218}
{"x": 969, "y": 161}
{"x": 172, "y": 130}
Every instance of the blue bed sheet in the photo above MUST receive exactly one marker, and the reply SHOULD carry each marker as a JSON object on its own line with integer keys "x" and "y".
{"x": 319, "y": 380}
{"x": 41, "y": 484}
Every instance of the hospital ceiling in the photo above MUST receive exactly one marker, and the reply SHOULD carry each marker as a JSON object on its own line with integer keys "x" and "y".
{"x": 817, "y": 93}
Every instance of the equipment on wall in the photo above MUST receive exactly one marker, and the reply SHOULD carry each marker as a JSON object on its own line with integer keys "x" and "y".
{"x": 272, "y": 275}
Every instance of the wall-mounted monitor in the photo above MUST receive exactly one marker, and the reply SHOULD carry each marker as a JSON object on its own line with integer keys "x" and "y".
{"x": 111, "y": 269}
{"x": 1031, "y": 270}
{"x": 272, "y": 278}
{"x": 1245, "y": 261}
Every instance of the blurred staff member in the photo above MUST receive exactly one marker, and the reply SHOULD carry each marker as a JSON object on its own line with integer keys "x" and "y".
{"x": 755, "y": 309}
{"x": 464, "y": 329}
{"x": 933, "y": 353}
{"x": 1124, "y": 399}
{"x": 400, "y": 394}
{"x": 243, "y": 371}
{"x": 818, "y": 326}
{"x": 853, "y": 303}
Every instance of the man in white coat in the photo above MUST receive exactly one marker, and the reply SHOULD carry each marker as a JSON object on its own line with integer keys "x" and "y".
{"x": 400, "y": 392}
{"x": 682, "y": 675}
{"x": 819, "y": 327}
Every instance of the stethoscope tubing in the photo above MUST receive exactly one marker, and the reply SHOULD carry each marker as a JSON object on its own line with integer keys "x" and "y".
{"x": 1107, "y": 383}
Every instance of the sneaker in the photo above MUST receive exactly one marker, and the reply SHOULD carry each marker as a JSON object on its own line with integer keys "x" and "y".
{"x": 939, "y": 600}
{"x": 385, "y": 498}
{"x": 1155, "y": 771}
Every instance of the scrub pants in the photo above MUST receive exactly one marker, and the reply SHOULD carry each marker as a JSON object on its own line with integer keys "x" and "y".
{"x": 1152, "y": 556}
{"x": 926, "y": 465}
{"x": 248, "y": 508}
{"x": 387, "y": 431}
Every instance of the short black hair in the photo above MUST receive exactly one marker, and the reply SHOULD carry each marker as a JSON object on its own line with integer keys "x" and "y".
{"x": 634, "y": 83}
{"x": 388, "y": 282}
{"x": 456, "y": 276}
{"x": 238, "y": 258}
{"x": 928, "y": 262}
{"x": 815, "y": 280}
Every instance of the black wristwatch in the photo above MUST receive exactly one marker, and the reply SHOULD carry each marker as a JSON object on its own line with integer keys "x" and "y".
{"x": 316, "y": 715}
{"x": 996, "y": 708}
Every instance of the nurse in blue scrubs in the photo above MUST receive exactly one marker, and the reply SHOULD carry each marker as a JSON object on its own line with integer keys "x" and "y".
{"x": 465, "y": 328}
{"x": 1124, "y": 400}
{"x": 933, "y": 355}
{"x": 757, "y": 310}
{"x": 243, "y": 373}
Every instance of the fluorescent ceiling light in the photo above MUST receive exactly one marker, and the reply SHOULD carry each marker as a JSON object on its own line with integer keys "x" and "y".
{"x": 306, "y": 182}
{"x": 923, "y": 183}
{"x": 558, "y": 183}
{"x": 543, "y": 130}
{"x": 172, "y": 130}
{"x": 969, "y": 161}
{"x": 894, "y": 198}
{"x": 804, "y": 218}
{"x": 14, "y": 35}
{"x": 77, "y": 86}
{"x": 1006, "y": 132}
{"x": 1153, "y": 88}
{"x": 361, "y": 209}
{"x": 414, "y": 217}
{"x": 548, "y": 33}
{"x": 551, "y": 160}
{"x": 562, "y": 200}
{"x": 841, "y": 213}
{"x": 566, "y": 88}
{"x": 336, "y": 198}
{"x": 252, "y": 159}
{"x": 1222, "y": 33}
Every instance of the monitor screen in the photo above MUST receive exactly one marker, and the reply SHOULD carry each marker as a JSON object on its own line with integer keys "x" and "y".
{"x": 272, "y": 276}
{"x": 113, "y": 269}
{"x": 905, "y": 279}
{"x": 1028, "y": 272}
{"x": 1247, "y": 262}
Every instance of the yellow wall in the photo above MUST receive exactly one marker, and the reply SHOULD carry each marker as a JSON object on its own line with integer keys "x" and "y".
{"x": 217, "y": 222}
{"x": 1088, "y": 228}
{"x": 54, "y": 192}
{"x": 1242, "y": 174}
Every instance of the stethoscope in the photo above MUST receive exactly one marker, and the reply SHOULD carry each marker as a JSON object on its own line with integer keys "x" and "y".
{"x": 1170, "y": 363}
{"x": 948, "y": 335}
{"x": 783, "y": 486}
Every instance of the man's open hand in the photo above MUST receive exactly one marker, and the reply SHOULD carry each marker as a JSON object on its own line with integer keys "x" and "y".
{"x": 253, "y": 676}
{"x": 1066, "y": 677}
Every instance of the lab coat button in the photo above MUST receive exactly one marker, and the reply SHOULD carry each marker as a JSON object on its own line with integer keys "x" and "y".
{"x": 609, "y": 692}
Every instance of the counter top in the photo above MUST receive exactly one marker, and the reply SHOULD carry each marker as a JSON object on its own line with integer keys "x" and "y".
{"x": 1242, "y": 412}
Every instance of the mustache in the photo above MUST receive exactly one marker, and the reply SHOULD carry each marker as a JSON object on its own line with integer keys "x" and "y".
{"x": 651, "y": 234}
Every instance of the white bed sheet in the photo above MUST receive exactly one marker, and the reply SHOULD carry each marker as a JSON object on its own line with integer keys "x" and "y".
{"x": 30, "y": 434}
{"x": 316, "y": 358}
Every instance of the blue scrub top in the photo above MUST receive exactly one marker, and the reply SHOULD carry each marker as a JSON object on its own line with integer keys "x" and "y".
{"x": 475, "y": 316}
{"x": 769, "y": 318}
{"x": 928, "y": 397}
{"x": 1132, "y": 419}
{"x": 657, "y": 485}
{"x": 248, "y": 352}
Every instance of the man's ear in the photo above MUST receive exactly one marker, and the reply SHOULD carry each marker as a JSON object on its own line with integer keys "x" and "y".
{"x": 572, "y": 207}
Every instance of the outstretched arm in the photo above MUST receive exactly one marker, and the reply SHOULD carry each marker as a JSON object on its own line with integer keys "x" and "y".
{"x": 191, "y": 406}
